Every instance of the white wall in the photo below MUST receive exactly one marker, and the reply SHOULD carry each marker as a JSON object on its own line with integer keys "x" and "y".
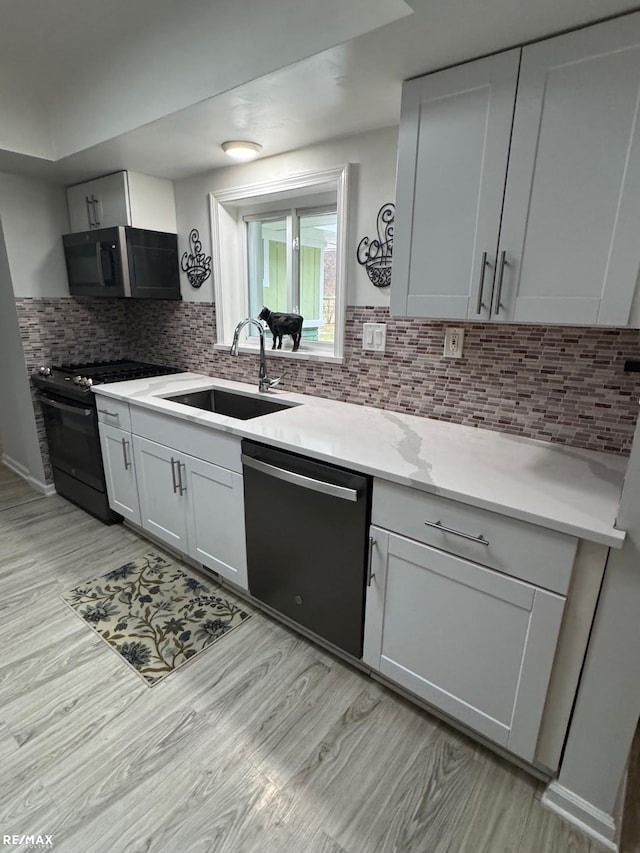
{"x": 24, "y": 127}
{"x": 374, "y": 180}
{"x": 17, "y": 422}
{"x": 34, "y": 217}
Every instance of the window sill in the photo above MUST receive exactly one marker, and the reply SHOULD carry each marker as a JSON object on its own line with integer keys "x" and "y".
{"x": 300, "y": 355}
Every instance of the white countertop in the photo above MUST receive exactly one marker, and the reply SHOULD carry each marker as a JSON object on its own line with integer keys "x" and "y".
{"x": 564, "y": 488}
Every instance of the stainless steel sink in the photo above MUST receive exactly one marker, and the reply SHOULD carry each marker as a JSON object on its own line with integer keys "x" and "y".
{"x": 227, "y": 403}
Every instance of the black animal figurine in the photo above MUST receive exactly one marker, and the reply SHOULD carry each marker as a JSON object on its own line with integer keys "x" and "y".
{"x": 283, "y": 324}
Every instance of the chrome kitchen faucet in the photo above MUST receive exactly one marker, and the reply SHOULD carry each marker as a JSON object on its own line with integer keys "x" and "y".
{"x": 264, "y": 383}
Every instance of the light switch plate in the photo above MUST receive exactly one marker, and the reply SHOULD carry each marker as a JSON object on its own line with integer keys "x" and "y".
{"x": 374, "y": 337}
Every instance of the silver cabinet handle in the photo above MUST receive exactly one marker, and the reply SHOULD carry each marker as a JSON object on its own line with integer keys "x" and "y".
{"x": 92, "y": 224}
{"x": 181, "y": 485}
{"x": 95, "y": 202}
{"x": 173, "y": 475}
{"x": 440, "y": 526}
{"x": 502, "y": 265}
{"x": 127, "y": 464}
{"x": 300, "y": 480}
{"x": 370, "y": 574}
{"x": 483, "y": 267}
{"x": 110, "y": 414}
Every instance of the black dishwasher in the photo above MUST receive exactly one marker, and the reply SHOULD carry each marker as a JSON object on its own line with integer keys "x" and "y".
{"x": 307, "y": 533}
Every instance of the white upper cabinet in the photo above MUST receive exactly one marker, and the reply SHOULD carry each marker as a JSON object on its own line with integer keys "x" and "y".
{"x": 123, "y": 198}
{"x": 566, "y": 248}
{"x": 453, "y": 151}
{"x": 572, "y": 202}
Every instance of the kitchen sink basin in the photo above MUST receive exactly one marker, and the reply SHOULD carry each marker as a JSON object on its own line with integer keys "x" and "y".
{"x": 227, "y": 403}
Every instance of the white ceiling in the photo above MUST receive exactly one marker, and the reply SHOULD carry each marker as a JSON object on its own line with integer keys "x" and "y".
{"x": 156, "y": 86}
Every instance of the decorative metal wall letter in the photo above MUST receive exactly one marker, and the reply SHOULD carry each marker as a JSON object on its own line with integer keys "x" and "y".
{"x": 196, "y": 264}
{"x": 376, "y": 255}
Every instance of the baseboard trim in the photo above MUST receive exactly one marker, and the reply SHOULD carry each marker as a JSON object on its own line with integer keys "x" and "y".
{"x": 45, "y": 489}
{"x": 21, "y": 470}
{"x": 596, "y": 823}
{"x": 17, "y": 467}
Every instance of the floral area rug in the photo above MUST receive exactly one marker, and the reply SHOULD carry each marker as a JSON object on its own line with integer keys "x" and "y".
{"x": 155, "y": 615}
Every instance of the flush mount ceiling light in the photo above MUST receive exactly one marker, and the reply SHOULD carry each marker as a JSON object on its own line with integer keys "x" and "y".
{"x": 242, "y": 151}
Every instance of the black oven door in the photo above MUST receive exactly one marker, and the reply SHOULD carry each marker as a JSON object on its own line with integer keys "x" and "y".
{"x": 95, "y": 266}
{"x": 73, "y": 438}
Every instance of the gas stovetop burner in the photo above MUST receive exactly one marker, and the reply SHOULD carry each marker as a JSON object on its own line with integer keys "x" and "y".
{"x": 79, "y": 378}
{"x": 112, "y": 371}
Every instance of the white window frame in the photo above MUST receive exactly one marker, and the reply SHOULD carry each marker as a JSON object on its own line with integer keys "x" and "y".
{"x": 228, "y": 240}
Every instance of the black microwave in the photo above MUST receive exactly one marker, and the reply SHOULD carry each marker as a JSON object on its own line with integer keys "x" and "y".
{"x": 123, "y": 261}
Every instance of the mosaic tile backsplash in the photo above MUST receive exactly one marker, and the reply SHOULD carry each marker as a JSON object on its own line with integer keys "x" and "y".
{"x": 558, "y": 383}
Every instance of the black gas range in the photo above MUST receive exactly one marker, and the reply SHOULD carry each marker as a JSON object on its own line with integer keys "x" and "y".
{"x": 71, "y": 423}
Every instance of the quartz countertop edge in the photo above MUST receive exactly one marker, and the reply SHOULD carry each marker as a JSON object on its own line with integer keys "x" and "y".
{"x": 563, "y": 488}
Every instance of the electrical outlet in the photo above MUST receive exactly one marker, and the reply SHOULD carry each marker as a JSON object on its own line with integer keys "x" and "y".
{"x": 374, "y": 336}
{"x": 453, "y": 341}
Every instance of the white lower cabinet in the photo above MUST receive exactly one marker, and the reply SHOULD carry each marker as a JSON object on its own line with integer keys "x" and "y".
{"x": 195, "y": 506}
{"x": 163, "y": 508}
{"x": 120, "y": 471}
{"x": 474, "y": 643}
{"x": 215, "y": 522}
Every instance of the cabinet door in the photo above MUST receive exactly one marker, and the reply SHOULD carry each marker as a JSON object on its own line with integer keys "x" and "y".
{"x": 215, "y": 519}
{"x": 99, "y": 204}
{"x": 120, "y": 472}
{"x": 572, "y": 202}
{"x": 472, "y": 642}
{"x": 453, "y": 148}
{"x": 162, "y": 500}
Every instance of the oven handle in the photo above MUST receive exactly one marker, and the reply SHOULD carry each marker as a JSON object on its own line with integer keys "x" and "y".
{"x": 300, "y": 479}
{"x": 65, "y": 407}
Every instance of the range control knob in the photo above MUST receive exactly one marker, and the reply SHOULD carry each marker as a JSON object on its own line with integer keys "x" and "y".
{"x": 45, "y": 371}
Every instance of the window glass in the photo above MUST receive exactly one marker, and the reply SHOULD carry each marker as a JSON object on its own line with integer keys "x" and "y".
{"x": 291, "y": 263}
{"x": 317, "y": 288}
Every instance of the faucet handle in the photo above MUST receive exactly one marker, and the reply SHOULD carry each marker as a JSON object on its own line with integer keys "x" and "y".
{"x": 266, "y": 383}
{"x": 278, "y": 379}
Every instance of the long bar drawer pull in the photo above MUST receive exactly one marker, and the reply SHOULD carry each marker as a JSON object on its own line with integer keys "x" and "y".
{"x": 110, "y": 414}
{"x": 127, "y": 464}
{"x": 300, "y": 479}
{"x": 440, "y": 526}
{"x": 483, "y": 268}
{"x": 173, "y": 474}
{"x": 370, "y": 574}
{"x": 503, "y": 264}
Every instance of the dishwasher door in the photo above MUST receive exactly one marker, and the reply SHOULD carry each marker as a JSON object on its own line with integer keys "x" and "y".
{"x": 306, "y": 528}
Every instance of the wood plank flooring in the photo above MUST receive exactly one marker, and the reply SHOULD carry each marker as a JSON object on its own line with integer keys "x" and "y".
{"x": 13, "y": 489}
{"x": 265, "y": 743}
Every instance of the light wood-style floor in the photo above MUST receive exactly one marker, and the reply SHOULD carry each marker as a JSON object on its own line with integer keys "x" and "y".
{"x": 262, "y": 744}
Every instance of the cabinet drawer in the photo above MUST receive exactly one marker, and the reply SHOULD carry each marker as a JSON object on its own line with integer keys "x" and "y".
{"x": 203, "y": 442}
{"x": 114, "y": 412}
{"x": 535, "y": 554}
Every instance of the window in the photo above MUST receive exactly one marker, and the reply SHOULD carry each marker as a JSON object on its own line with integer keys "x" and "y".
{"x": 281, "y": 245}
{"x": 291, "y": 262}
